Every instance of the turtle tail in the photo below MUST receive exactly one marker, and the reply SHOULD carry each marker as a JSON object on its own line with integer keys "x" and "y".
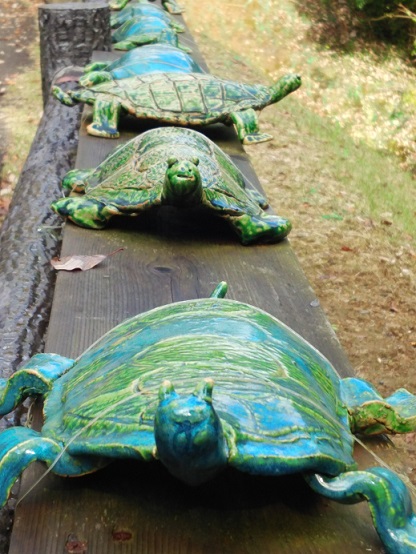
{"x": 389, "y": 501}
{"x": 220, "y": 290}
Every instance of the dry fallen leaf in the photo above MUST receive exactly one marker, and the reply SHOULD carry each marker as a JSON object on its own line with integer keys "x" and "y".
{"x": 82, "y": 262}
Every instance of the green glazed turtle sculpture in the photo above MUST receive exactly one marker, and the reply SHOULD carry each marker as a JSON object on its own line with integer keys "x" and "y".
{"x": 193, "y": 99}
{"x": 202, "y": 384}
{"x": 143, "y": 10}
{"x": 169, "y": 5}
{"x": 169, "y": 166}
{"x": 154, "y": 58}
{"x": 146, "y": 30}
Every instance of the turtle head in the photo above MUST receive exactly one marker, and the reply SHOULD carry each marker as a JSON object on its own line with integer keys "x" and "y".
{"x": 284, "y": 86}
{"x": 182, "y": 186}
{"x": 94, "y": 78}
{"x": 188, "y": 433}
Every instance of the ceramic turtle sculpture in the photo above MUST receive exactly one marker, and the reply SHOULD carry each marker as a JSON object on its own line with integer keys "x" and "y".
{"x": 143, "y": 10}
{"x": 145, "y": 30}
{"x": 192, "y": 99}
{"x": 169, "y": 5}
{"x": 202, "y": 384}
{"x": 169, "y": 166}
{"x": 147, "y": 59}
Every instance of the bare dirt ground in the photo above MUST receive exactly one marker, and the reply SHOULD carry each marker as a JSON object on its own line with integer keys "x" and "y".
{"x": 18, "y": 30}
{"x": 362, "y": 268}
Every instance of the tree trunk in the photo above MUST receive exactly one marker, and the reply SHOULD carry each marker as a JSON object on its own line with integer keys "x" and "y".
{"x": 69, "y": 33}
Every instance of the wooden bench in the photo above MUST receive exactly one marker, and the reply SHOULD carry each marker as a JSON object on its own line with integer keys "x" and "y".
{"x": 135, "y": 508}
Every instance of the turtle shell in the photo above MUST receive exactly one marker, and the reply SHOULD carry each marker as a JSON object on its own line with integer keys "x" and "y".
{"x": 140, "y": 10}
{"x": 131, "y": 178}
{"x": 138, "y": 26}
{"x": 150, "y": 59}
{"x": 277, "y": 397}
{"x": 195, "y": 98}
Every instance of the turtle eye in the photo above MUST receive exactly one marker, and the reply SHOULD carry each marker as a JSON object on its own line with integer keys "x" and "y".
{"x": 172, "y": 160}
{"x": 195, "y": 160}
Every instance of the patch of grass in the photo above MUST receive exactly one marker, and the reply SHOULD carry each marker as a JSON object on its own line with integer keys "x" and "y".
{"x": 386, "y": 188}
{"x": 359, "y": 106}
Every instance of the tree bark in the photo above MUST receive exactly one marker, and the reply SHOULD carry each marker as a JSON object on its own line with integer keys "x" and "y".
{"x": 69, "y": 33}
{"x": 31, "y": 236}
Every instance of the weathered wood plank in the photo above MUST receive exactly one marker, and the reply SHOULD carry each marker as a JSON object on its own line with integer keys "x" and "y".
{"x": 166, "y": 259}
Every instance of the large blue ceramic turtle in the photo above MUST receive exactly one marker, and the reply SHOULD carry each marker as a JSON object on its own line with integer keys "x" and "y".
{"x": 202, "y": 384}
{"x": 152, "y": 58}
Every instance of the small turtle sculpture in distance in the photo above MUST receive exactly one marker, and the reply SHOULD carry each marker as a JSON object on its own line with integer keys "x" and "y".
{"x": 191, "y": 99}
{"x": 170, "y": 5}
{"x": 147, "y": 59}
{"x": 139, "y": 31}
{"x": 143, "y": 10}
{"x": 169, "y": 166}
{"x": 250, "y": 393}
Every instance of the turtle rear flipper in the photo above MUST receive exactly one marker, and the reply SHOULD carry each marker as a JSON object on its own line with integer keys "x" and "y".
{"x": 388, "y": 497}
{"x": 371, "y": 414}
{"x": 94, "y": 78}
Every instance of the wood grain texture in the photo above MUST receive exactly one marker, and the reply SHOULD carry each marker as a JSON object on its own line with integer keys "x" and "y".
{"x": 133, "y": 508}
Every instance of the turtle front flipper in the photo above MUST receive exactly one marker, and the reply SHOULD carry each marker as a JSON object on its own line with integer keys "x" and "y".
{"x": 96, "y": 66}
{"x": 389, "y": 500}
{"x": 260, "y": 228}
{"x": 20, "y": 446}
{"x": 105, "y": 119}
{"x": 130, "y": 44}
{"x": 63, "y": 97}
{"x": 247, "y": 126}
{"x": 34, "y": 377}
{"x": 75, "y": 180}
{"x": 371, "y": 414}
{"x": 85, "y": 212}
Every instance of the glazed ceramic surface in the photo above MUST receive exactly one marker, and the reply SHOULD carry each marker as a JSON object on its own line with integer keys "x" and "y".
{"x": 146, "y": 30}
{"x": 169, "y": 5}
{"x": 192, "y": 99}
{"x": 169, "y": 166}
{"x": 143, "y": 10}
{"x": 202, "y": 384}
{"x": 154, "y": 58}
